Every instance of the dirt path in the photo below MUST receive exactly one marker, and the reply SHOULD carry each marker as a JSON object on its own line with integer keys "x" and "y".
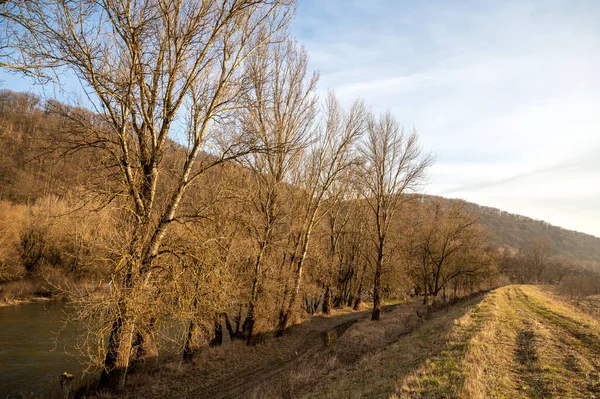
{"x": 565, "y": 359}
{"x": 548, "y": 349}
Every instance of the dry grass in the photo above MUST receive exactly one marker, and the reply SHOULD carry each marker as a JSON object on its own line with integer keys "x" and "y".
{"x": 442, "y": 373}
{"x": 490, "y": 351}
{"x": 17, "y": 290}
{"x": 32, "y": 288}
{"x": 518, "y": 342}
{"x": 285, "y": 365}
{"x": 531, "y": 346}
{"x": 386, "y": 352}
{"x": 589, "y": 305}
{"x": 515, "y": 342}
{"x": 12, "y": 218}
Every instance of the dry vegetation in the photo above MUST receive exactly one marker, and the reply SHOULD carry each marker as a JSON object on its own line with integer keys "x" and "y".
{"x": 517, "y": 341}
{"x": 204, "y": 185}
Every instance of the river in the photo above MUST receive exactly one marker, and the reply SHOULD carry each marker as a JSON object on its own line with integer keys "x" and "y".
{"x": 32, "y": 353}
{"x": 35, "y": 348}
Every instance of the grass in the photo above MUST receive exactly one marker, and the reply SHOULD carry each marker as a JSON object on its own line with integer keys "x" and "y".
{"x": 390, "y": 358}
{"x": 531, "y": 346}
{"x": 395, "y": 301}
{"x": 514, "y": 342}
{"x": 443, "y": 373}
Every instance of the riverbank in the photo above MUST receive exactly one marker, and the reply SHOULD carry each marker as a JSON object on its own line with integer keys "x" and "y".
{"x": 30, "y": 290}
{"x": 516, "y": 341}
{"x": 4, "y": 302}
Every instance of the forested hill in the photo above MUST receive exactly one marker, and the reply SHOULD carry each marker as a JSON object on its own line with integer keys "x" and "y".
{"x": 515, "y": 231}
{"x": 30, "y": 170}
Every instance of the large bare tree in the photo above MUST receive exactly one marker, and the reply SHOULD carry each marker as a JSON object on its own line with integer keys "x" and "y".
{"x": 331, "y": 153}
{"x": 279, "y": 113}
{"x": 153, "y": 70}
{"x": 393, "y": 165}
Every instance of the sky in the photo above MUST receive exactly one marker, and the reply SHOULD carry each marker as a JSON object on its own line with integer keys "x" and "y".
{"x": 506, "y": 94}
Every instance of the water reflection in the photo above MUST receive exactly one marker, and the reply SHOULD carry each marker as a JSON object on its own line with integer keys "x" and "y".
{"x": 32, "y": 354}
{"x": 35, "y": 348}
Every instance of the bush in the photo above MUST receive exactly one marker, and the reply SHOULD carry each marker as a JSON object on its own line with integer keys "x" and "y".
{"x": 579, "y": 286}
{"x": 11, "y": 219}
{"x": 19, "y": 289}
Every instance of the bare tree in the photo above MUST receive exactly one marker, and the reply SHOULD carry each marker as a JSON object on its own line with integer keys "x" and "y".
{"x": 279, "y": 114}
{"x": 393, "y": 164}
{"x": 331, "y": 153}
{"x": 559, "y": 267}
{"x": 338, "y": 220}
{"x": 537, "y": 254}
{"x": 145, "y": 66}
{"x": 447, "y": 244}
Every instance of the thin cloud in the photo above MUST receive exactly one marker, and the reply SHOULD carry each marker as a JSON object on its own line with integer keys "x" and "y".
{"x": 505, "y": 93}
{"x": 491, "y": 184}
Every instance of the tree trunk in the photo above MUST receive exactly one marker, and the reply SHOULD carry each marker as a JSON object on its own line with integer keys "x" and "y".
{"x": 218, "y": 335}
{"x": 188, "y": 349}
{"x": 248, "y": 326}
{"x": 358, "y": 299}
{"x": 116, "y": 363}
{"x": 234, "y": 334}
{"x": 229, "y": 327}
{"x": 285, "y": 315}
{"x": 357, "y": 303}
{"x": 455, "y": 290}
{"x": 338, "y": 299}
{"x": 350, "y": 300}
{"x": 238, "y": 320}
{"x": 144, "y": 342}
{"x": 110, "y": 361}
{"x": 377, "y": 284}
{"x": 327, "y": 301}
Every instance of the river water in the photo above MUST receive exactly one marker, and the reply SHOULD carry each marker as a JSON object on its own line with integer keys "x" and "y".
{"x": 32, "y": 352}
{"x": 35, "y": 348}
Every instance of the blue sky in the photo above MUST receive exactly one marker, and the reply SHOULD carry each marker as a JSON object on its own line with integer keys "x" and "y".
{"x": 505, "y": 93}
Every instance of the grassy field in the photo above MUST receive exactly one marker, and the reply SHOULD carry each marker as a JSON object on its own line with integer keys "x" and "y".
{"x": 513, "y": 342}
{"x": 516, "y": 342}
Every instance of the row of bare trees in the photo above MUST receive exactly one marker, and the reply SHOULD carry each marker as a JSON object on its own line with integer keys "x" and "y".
{"x": 234, "y": 194}
{"x": 446, "y": 245}
{"x": 151, "y": 70}
{"x": 536, "y": 263}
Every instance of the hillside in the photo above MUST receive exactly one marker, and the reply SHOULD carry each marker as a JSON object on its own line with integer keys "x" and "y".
{"x": 509, "y": 230}
{"x": 515, "y": 230}
{"x": 32, "y": 167}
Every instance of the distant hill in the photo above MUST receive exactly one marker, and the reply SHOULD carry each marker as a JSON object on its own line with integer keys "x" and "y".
{"x": 515, "y": 231}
